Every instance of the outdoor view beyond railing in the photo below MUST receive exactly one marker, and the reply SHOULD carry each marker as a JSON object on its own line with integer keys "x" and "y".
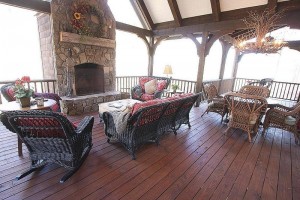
{"x": 41, "y": 85}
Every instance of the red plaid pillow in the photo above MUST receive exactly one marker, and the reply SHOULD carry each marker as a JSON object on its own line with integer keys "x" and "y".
{"x": 161, "y": 84}
{"x": 144, "y": 80}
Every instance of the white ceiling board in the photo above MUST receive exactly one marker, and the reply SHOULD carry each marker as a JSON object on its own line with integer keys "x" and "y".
{"x": 227, "y": 5}
{"x": 192, "y": 8}
{"x": 159, "y": 10}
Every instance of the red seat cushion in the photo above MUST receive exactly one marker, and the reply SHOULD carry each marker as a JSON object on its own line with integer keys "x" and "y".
{"x": 147, "y": 97}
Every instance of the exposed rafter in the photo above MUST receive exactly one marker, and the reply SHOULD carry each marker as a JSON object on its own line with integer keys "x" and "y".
{"x": 216, "y": 11}
{"x": 145, "y": 13}
{"x": 36, "y": 5}
{"x": 139, "y": 14}
{"x": 175, "y": 12}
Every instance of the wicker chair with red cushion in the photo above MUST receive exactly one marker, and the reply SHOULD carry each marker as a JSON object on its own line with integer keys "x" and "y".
{"x": 138, "y": 91}
{"x": 9, "y": 94}
{"x": 51, "y": 138}
{"x": 141, "y": 127}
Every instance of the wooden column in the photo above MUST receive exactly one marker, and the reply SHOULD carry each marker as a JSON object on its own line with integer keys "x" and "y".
{"x": 151, "y": 56}
{"x": 225, "y": 48}
{"x": 237, "y": 59}
{"x": 201, "y": 52}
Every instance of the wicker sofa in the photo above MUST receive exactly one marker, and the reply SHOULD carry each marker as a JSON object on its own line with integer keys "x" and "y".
{"x": 148, "y": 121}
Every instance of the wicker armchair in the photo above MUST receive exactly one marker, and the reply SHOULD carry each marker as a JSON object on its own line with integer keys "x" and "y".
{"x": 215, "y": 101}
{"x": 245, "y": 111}
{"x": 9, "y": 94}
{"x": 51, "y": 138}
{"x": 285, "y": 118}
{"x": 255, "y": 90}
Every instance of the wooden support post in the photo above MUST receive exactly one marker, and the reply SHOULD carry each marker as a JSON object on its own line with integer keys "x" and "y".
{"x": 236, "y": 64}
{"x": 225, "y": 48}
{"x": 151, "y": 57}
{"x": 201, "y": 54}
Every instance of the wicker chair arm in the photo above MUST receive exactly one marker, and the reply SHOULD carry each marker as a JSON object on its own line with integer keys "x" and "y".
{"x": 85, "y": 125}
{"x": 283, "y": 108}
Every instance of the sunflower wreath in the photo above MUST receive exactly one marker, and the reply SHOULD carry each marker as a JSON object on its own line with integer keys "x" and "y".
{"x": 86, "y": 19}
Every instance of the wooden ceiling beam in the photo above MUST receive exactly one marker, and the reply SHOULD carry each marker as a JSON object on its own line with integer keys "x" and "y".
{"x": 175, "y": 12}
{"x": 211, "y": 27}
{"x": 216, "y": 10}
{"x": 133, "y": 29}
{"x": 145, "y": 13}
{"x": 35, "y": 5}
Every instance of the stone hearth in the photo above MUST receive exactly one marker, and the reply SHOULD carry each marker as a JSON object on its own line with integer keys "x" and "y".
{"x": 73, "y": 48}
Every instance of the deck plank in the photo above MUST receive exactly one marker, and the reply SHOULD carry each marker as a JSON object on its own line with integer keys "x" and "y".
{"x": 199, "y": 163}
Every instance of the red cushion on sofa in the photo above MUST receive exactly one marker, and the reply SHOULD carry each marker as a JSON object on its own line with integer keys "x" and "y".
{"x": 161, "y": 85}
{"x": 144, "y": 80}
{"x": 147, "y": 97}
{"x": 144, "y": 104}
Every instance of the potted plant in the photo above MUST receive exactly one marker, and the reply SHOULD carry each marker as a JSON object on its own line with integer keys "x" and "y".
{"x": 175, "y": 87}
{"x": 22, "y": 92}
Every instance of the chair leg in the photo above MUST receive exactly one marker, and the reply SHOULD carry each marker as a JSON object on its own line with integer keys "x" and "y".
{"x": 249, "y": 135}
{"x": 70, "y": 173}
{"x": 26, "y": 173}
{"x": 226, "y": 131}
{"x": 206, "y": 111}
{"x": 36, "y": 165}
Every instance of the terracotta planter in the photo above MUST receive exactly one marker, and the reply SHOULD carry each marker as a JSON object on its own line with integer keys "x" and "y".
{"x": 24, "y": 102}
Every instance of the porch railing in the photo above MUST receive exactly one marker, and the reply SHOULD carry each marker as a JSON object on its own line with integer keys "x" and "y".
{"x": 125, "y": 83}
{"x": 279, "y": 90}
{"x": 39, "y": 85}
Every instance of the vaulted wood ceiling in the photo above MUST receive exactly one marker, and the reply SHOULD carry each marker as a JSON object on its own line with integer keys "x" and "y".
{"x": 179, "y": 17}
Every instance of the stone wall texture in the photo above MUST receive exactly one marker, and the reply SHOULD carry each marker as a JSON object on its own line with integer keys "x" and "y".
{"x": 46, "y": 45}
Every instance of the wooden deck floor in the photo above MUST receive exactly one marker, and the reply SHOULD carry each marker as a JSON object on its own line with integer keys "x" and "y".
{"x": 198, "y": 163}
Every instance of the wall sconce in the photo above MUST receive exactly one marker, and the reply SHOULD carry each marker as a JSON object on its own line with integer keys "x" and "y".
{"x": 168, "y": 70}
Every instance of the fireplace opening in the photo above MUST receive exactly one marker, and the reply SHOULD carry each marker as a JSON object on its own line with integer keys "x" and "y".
{"x": 89, "y": 79}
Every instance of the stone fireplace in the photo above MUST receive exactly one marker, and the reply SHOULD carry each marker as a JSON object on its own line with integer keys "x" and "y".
{"x": 84, "y": 53}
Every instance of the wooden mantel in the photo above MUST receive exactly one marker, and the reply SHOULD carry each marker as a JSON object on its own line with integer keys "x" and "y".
{"x": 79, "y": 39}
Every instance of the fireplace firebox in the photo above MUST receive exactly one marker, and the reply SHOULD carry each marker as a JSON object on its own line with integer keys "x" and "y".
{"x": 89, "y": 79}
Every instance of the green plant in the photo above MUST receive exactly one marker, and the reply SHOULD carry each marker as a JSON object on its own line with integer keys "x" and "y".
{"x": 175, "y": 87}
{"x": 20, "y": 88}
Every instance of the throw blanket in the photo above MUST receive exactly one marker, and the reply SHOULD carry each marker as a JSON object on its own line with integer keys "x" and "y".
{"x": 120, "y": 119}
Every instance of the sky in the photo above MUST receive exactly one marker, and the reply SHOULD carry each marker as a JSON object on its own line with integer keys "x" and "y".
{"x": 19, "y": 44}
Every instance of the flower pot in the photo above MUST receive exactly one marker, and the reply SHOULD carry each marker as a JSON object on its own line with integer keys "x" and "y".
{"x": 24, "y": 102}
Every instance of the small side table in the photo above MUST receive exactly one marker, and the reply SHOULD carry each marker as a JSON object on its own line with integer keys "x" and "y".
{"x": 171, "y": 92}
